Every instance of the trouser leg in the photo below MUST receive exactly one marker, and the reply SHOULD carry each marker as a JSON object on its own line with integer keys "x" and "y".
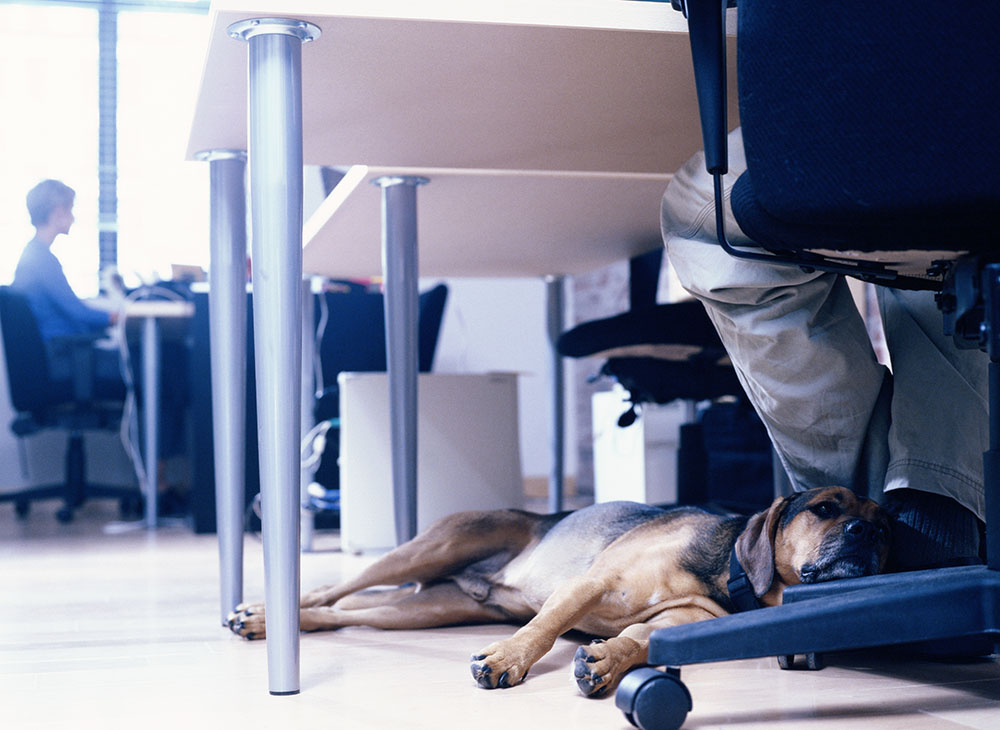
{"x": 801, "y": 351}
{"x": 796, "y": 339}
{"x": 940, "y": 423}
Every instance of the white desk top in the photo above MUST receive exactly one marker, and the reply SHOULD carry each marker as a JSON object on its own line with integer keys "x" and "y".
{"x": 491, "y": 223}
{"x": 592, "y": 85}
{"x": 142, "y": 308}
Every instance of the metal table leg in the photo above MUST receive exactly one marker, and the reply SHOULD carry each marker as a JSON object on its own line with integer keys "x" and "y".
{"x": 275, "y": 151}
{"x": 308, "y": 396}
{"x": 227, "y": 305}
{"x": 151, "y": 413}
{"x": 400, "y": 266}
{"x": 554, "y": 307}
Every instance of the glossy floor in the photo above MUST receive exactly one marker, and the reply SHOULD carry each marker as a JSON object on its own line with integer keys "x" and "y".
{"x": 121, "y": 630}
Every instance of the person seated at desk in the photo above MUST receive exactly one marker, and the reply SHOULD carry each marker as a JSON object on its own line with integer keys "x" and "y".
{"x": 62, "y": 317}
{"x": 60, "y": 312}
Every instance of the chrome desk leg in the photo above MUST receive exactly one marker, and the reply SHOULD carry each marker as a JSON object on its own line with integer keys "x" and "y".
{"x": 399, "y": 264}
{"x": 275, "y": 152}
{"x": 308, "y": 396}
{"x": 227, "y": 307}
{"x": 151, "y": 413}
{"x": 554, "y": 304}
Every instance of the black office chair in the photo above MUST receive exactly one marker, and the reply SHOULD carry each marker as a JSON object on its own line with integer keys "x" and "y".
{"x": 868, "y": 128}
{"x": 658, "y": 352}
{"x": 661, "y": 353}
{"x": 74, "y": 403}
{"x": 353, "y": 340}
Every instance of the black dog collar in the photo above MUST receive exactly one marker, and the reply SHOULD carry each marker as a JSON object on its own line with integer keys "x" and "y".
{"x": 740, "y": 590}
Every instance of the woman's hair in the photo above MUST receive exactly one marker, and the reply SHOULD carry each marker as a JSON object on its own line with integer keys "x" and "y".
{"x": 45, "y": 197}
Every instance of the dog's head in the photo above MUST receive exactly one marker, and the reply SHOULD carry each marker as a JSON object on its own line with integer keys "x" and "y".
{"x": 813, "y": 536}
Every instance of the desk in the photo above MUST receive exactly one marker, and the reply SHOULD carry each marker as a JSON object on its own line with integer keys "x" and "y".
{"x": 483, "y": 223}
{"x": 150, "y": 312}
{"x": 595, "y": 86}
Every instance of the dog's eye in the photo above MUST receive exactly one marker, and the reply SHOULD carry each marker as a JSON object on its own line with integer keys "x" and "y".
{"x": 825, "y": 510}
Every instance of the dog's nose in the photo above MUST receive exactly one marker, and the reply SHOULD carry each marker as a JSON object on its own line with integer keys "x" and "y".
{"x": 860, "y": 530}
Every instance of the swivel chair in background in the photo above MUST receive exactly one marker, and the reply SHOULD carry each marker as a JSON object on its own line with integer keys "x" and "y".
{"x": 352, "y": 339}
{"x": 74, "y": 403}
{"x": 661, "y": 353}
{"x": 870, "y": 139}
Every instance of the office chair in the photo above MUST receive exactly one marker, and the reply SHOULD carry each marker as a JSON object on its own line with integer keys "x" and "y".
{"x": 658, "y": 352}
{"x": 661, "y": 353}
{"x": 353, "y": 340}
{"x": 869, "y": 135}
{"x": 75, "y": 403}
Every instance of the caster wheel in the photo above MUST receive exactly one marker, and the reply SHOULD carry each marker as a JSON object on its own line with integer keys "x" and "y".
{"x": 64, "y": 515}
{"x": 786, "y": 661}
{"x": 654, "y": 700}
{"x": 21, "y": 508}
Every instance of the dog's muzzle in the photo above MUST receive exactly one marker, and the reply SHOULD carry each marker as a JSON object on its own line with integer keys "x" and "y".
{"x": 854, "y": 552}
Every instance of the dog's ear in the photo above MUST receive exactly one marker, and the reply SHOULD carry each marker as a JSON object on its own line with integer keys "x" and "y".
{"x": 755, "y": 546}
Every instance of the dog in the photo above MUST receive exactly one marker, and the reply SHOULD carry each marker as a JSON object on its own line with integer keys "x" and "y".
{"x": 616, "y": 570}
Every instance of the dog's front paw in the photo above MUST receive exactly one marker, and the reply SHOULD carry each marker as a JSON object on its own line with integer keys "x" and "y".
{"x": 598, "y": 667}
{"x": 498, "y": 665}
{"x": 247, "y": 621}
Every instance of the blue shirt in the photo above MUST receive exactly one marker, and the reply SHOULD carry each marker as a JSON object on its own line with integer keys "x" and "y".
{"x": 59, "y": 311}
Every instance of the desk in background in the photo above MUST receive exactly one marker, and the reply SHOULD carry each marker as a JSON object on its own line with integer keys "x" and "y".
{"x": 150, "y": 312}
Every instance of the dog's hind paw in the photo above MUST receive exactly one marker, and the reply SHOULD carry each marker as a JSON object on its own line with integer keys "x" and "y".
{"x": 247, "y": 620}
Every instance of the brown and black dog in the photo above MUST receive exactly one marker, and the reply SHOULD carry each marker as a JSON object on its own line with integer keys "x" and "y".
{"x": 616, "y": 570}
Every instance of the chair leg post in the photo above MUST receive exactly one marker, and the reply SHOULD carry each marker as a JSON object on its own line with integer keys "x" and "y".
{"x": 991, "y": 459}
{"x": 75, "y": 468}
{"x": 991, "y": 472}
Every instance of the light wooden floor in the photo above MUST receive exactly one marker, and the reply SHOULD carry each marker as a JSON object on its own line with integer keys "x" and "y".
{"x": 122, "y": 631}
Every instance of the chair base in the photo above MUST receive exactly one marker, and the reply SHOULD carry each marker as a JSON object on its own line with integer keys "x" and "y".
{"x": 897, "y": 609}
{"x": 74, "y": 491}
{"x": 959, "y": 604}
{"x": 131, "y": 498}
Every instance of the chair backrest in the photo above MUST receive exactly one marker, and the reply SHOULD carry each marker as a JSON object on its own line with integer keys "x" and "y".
{"x": 869, "y": 126}
{"x": 354, "y": 338}
{"x": 28, "y": 374}
{"x": 644, "y": 279}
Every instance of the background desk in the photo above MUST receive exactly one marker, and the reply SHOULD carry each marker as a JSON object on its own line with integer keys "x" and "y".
{"x": 150, "y": 312}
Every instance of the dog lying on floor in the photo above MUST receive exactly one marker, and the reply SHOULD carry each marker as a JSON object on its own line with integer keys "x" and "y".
{"x": 617, "y": 570}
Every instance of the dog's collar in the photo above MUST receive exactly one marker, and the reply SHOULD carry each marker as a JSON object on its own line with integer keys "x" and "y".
{"x": 740, "y": 590}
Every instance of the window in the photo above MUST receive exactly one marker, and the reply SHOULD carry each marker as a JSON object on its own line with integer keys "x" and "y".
{"x": 48, "y": 128}
{"x": 162, "y": 199}
{"x": 49, "y": 120}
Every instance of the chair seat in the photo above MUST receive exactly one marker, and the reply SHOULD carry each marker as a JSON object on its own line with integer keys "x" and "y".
{"x": 655, "y": 380}
{"x": 670, "y": 331}
{"x": 908, "y": 231}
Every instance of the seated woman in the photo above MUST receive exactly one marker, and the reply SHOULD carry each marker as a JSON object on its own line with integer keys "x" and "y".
{"x": 59, "y": 311}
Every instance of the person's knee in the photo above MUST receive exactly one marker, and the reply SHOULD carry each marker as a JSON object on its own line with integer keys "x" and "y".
{"x": 688, "y": 225}
{"x": 687, "y": 209}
